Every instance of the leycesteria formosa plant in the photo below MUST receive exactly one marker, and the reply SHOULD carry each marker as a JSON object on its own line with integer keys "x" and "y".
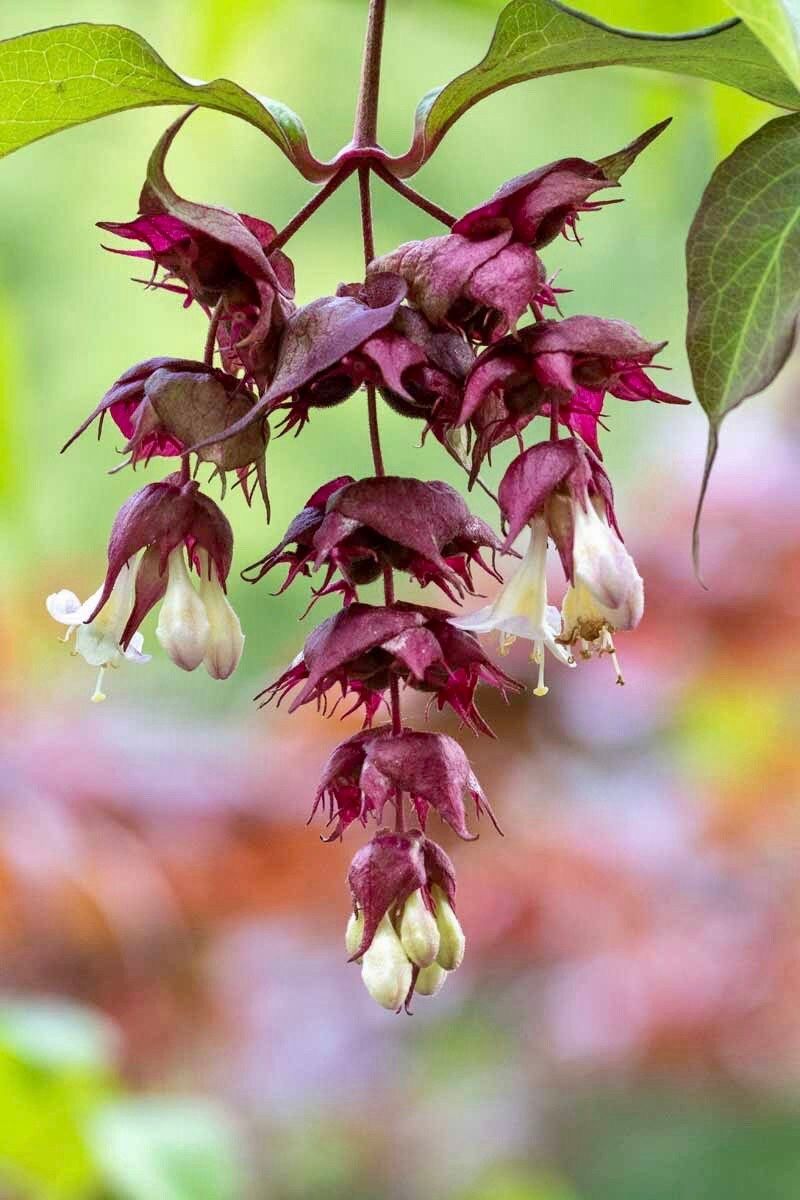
{"x": 462, "y": 333}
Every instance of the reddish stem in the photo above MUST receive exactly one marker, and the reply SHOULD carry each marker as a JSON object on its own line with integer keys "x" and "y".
{"x": 308, "y": 209}
{"x": 365, "y": 131}
{"x": 554, "y": 433}
{"x": 420, "y": 201}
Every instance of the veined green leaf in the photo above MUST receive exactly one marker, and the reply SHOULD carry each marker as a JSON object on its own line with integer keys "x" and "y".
{"x": 777, "y": 24}
{"x": 56, "y": 78}
{"x": 743, "y": 263}
{"x": 543, "y": 37}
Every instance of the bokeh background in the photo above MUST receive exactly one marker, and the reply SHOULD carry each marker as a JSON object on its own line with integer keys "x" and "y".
{"x": 177, "y": 1019}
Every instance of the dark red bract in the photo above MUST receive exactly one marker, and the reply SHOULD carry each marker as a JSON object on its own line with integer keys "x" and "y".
{"x": 388, "y": 869}
{"x": 359, "y": 528}
{"x": 377, "y": 767}
{"x": 157, "y": 519}
{"x": 362, "y": 647}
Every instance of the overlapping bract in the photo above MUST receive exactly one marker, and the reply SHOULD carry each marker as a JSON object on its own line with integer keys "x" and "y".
{"x": 378, "y": 767}
{"x": 357, "y": 529}
{"x": 363, "y": 647}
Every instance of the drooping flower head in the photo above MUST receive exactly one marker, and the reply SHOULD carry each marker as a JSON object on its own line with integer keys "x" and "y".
{"x": 378, "y": 767}
{"x": 570, "y": 364}
{"x": 479, "y": 286}
{"x": 214, "y": 256}
{"x": 356, "y": 529}
{"x": 545, "y": 202}
{"x": 564, "y": 492}
{"x": 361, "y": 648}
{"x": 179, "y": 530}
{"x": 403, "y": 929}
{"x": 165, "y": 405}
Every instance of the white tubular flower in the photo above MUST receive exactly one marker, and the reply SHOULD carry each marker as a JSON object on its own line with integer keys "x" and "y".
{"x": 98, "y": 641}
{"x": 431, "y": 980}
{"x": 183, "y": 627}
{"x": 225, "y": 640}
{"x": 419, "y": 933}
{"x": 386, "y": 971}
{"x": 354, "y": 933}
{"x": 607, "y": 594}
{"x": 521, "y": 609}
{"x": 452, "y": 942}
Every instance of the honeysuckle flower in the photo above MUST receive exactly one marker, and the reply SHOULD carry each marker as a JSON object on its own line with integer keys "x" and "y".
{"x": 378, "y": 766}
{"x": 546, "y": 202}
{"x": 359, "y": 528}
{"x": 363, "y": 647}
{"x": 177, "y": 527}
{"x": 164, "y": 405}
{"x": 481, "y": 286}
{"x": 606, "y": 594}
{"x": 562, "y": 490}
{"x": 521, "y": 609}
{"x": 570, "y": 364}
{"x": 403, "y": 923}
{"x": 98, "y": 640}
{"x": 216, "y": 256}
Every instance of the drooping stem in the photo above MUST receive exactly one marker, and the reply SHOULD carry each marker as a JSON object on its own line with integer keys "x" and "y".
{"x": 554, "y": 407}
{"x": 365, "y": 130}
{"x": 368, "y": 238}
{"x": 308, "y": 209}
{"x": 416, "y": 198}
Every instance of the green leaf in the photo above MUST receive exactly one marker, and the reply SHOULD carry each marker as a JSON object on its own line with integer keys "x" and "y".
{"x": 743, "y": 265}
{"x": 777, "y": 24}
{"x": 56, "y": 78}
{"x": 167, "y": 1149}
{"x": 544, "y": 37}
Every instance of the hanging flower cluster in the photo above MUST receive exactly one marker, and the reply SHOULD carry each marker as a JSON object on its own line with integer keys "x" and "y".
{"x": 463, "y": 333}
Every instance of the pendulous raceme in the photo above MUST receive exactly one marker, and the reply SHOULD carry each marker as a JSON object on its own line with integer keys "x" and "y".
{"x": 461, "y": 332}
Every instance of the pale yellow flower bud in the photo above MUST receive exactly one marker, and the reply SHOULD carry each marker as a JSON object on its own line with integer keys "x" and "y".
{"x": 354, "y": 933}
{"x": 226, "y": 640}
{"x": 385, "y": 970}
{"x": 183, "y": 627}
{"x": 419, "y": 932}
{"x": 451, "y": 936}
{"x": 430, "y": 980}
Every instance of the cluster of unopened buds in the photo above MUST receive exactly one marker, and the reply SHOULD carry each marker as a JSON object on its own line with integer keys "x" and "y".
{"x": 463, "y": 333}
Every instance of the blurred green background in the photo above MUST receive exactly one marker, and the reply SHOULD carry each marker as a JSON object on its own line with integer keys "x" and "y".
{"x": 178, "y": 1020}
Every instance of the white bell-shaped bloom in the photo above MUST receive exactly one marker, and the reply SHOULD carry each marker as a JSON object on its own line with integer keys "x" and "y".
{"x": 419, "y": 932}
{"x": 98, "y": 640}
{"x": 452, "y": 942}
{"x": 607, "y": 594}
{"x": 385, "y": 970}
{"x": 225, "y": 639}
{"x": 521, "y": 609}
{"x": 183, "y": 628}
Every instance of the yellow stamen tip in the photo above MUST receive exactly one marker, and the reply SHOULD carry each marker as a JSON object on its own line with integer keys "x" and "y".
{"x": 98, "y": 697}
{"x": 541, "y": 691}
